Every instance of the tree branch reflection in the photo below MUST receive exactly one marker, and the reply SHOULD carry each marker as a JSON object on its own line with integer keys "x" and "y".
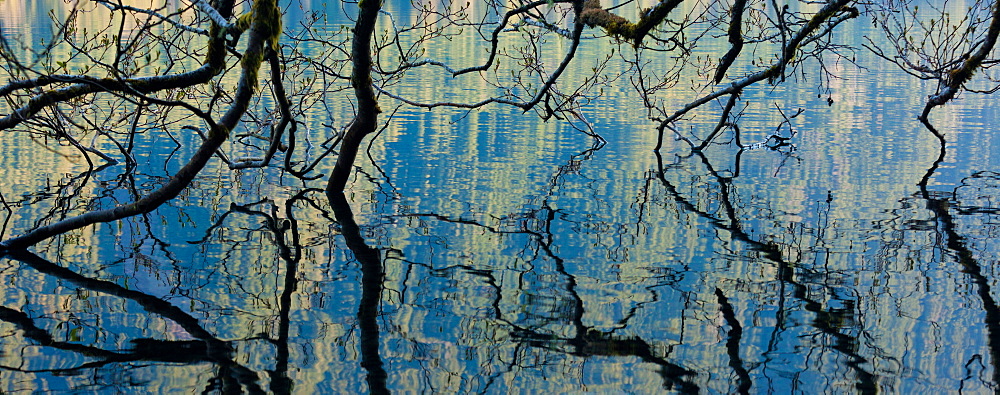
{"x": 830, "y": 321}
{"x": 942, "y": 205}
{"x": 555, "y": 304}
{"x": 733, "y": 343}
{"x": 372, "y": 277}
{"x": 233, "y": 375}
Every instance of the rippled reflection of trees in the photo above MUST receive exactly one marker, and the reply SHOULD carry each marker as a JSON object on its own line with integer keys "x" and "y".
{"x": 229, "y": 375}
{"x": 811, "y": 277}
{"x": 459, "y": 302}
{"x": 808, "y": 311}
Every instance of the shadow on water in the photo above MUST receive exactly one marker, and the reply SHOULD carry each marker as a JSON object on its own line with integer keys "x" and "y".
{"x": 557, "y": 314}
{"x": 969, "y": 208}
{"x": 942, "y": 205}
{"x": 290, "y": 252}
{"x": 539, "y": 251}
{"x": 231, "y": 377}
{"x": 744, "y": 383}
{"x": 372, "y": 277}
{"x": 838, "y": 323}
{"x": 587, "y": 341}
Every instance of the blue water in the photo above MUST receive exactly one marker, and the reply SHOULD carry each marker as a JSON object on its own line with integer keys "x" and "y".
{"x": 507, "y": 254}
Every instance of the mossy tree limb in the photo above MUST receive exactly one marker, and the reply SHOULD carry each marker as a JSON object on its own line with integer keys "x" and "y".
{"x": 593, "y": 15}
{"x": 262, "y": 35}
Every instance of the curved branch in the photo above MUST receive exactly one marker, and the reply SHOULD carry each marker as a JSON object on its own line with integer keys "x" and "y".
{"x": 735, "y": 38}
{"x": 495, "y": 38}
{"x": 366, "y": 119}
{"x": 576, "y": 34}
{"x": 196, "y": 30}
{"x": 84, "y": 85}
{"x": 777, "y": 69}
{"x": 217, "y": 17}
{"x": 217, "y": 350}
{"x": 956, "y": 78}
{"x": 286, "y": 116}
{"x": 593, "y": 15}
{"x": 262, "y": 34}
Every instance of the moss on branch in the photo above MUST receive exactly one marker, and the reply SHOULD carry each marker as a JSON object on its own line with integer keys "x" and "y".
{"x": 264, "y": 31}
{"x": 594, "y": 15}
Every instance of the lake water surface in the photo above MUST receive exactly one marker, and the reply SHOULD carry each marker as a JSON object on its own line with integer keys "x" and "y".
{"x": 491, "y": 252}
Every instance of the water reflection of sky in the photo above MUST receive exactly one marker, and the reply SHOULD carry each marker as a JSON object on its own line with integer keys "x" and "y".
{"x": 516, "y": 260}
